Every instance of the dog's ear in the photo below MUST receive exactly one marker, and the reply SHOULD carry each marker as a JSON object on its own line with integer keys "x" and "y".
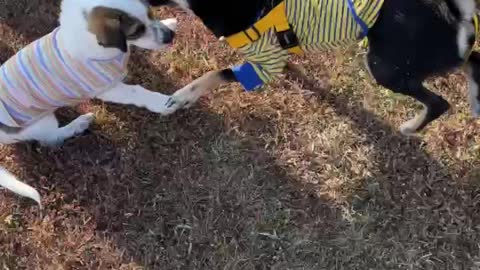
{"x": 113, "y": 27}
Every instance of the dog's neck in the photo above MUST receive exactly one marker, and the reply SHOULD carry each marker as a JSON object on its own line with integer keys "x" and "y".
{"x": 74, "y": 36}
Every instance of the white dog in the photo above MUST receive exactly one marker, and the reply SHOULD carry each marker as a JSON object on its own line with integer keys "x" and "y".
{"x": 84, "y": 58}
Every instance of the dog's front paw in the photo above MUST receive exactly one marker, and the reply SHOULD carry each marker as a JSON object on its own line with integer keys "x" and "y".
{"x": 158, "y": 104}
{"x": 184, "y": 98}
{"x": 408, "y": 129}
{"x": 414, "y": 125}
{"x": 82, "y": 123}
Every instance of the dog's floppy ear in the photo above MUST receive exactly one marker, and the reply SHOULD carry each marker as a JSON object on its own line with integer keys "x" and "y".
{"x": 113, "y": 27}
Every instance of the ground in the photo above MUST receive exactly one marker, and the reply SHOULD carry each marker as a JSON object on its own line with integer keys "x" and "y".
{"x": 293, "y": 177}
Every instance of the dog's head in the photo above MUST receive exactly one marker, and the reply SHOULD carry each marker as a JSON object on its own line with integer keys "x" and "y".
{"x": 118, "y": 24}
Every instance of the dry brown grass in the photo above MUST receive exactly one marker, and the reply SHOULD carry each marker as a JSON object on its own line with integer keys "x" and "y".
{"x": 284, "y": 179}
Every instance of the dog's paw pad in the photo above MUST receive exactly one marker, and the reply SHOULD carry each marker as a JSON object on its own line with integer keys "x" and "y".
{"x": 174, "y": 104}
{"x": 170, "y": 103}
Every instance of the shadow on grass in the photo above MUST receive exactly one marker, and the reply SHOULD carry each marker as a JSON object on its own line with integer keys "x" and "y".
{"x": 5, "y": 52}
{"x": 188, "y": 192}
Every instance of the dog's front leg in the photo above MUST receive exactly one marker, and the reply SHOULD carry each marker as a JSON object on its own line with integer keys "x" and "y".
{"x": 188, "y": 95}
{"x": 138, "y": 96}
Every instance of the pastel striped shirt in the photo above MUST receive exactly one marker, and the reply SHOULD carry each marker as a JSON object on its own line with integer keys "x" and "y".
{"x": 318, "y": 24}
{"x": 43, "y": 77}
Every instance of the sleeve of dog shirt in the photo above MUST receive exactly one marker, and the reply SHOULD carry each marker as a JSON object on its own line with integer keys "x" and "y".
{"x": 247, "y": 76}
{"x": 254, "y": 75}
{"x": 266, "y": 59}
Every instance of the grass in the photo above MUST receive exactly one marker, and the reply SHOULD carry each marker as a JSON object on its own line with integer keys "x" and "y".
{"x": 296, "y": 177}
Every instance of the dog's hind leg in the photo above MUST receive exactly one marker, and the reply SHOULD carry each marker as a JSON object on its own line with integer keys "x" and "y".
{"x": 473, "y": 74}
{"x": 388, "y": 76}
{"x": 47, "y": 131}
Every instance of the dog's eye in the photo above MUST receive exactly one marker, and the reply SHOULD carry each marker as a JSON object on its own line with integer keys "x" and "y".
{"x": 137, "y": 32}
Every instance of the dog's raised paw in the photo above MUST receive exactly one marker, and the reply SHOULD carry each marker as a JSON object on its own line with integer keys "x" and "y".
{"x": 76, "y": 127}
{"x": 170, "y": 103}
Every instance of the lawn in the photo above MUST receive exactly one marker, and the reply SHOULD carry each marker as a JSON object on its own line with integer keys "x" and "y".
{"x": 299, "y": 176}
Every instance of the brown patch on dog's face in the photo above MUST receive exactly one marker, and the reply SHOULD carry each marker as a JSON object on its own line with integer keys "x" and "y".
{"x": 114, "y": 27}
{"x": 150, "y": 14}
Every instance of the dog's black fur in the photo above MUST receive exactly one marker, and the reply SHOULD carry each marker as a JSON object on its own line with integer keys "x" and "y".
{"x": 225, "y": 17}
{"x": 411, "y": 41}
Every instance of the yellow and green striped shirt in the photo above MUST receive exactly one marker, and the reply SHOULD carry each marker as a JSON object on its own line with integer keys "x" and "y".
{"x": 318, "y": 24}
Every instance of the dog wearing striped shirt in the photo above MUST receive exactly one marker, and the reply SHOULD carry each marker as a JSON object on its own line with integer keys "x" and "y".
{"x": 85, "y": 57}
{"x": 409, "y": 41}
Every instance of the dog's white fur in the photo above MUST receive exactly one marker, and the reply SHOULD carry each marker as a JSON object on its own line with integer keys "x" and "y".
{"x": 81, "y": 43}
{"x": 467, "y": 9}
{"x": 473, "y": 89}
{"x": 466, "y": 27}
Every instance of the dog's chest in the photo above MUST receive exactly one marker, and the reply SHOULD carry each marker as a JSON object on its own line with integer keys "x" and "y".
{"x": 43, "y": 77}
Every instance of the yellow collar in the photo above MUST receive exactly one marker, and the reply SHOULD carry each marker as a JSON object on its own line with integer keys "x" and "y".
{"x": 277, "y": 19}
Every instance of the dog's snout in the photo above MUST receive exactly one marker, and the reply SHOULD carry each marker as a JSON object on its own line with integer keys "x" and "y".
{"x": 164, "y": 31}
{"x": 168, "y": 36}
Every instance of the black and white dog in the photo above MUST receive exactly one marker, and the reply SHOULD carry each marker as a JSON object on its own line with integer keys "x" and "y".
{"x": 410, "y": 41}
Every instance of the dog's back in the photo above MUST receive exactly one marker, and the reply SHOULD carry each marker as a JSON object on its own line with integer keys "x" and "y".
{"x": 43, "y": 77}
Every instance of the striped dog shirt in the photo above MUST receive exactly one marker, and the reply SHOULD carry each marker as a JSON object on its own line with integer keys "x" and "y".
{"x": 43, "y": 77}
{"x": 318, "y": 24}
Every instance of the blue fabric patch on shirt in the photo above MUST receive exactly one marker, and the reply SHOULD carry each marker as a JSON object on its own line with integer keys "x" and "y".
{"x": 357, "y": 19}
{"x": 247, "y": 76}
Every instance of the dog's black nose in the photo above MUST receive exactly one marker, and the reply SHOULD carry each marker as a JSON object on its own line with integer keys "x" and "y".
{"x": 168, "y": 36}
